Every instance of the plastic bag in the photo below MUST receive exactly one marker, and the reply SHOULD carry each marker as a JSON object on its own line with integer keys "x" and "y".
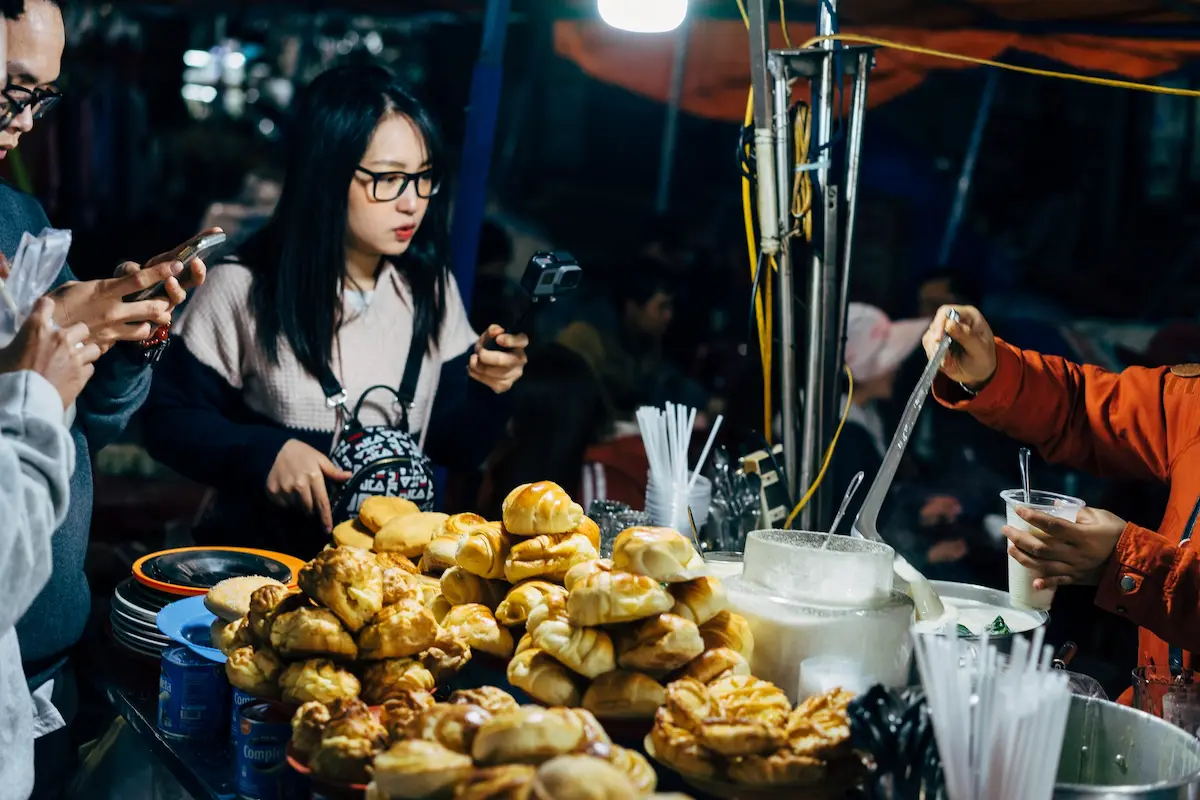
{"x": 32, "y": 271}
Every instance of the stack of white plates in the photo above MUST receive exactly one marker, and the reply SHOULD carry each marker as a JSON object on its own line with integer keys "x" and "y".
{"x": 134, "y": 610}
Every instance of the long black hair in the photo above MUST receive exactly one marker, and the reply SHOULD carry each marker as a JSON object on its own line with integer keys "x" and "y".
{"x": 299, "y": 257}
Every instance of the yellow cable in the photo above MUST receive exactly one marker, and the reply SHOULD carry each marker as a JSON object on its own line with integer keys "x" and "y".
{"x": 762, "y": 311}
{"x": 828, "y": 453}
{"x": 783, "y": 24}
{"x": 802, "y": 181}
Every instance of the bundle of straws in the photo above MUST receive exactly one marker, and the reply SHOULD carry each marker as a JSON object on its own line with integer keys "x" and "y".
{"x": 999, "y": 723}
{"x": 666, "y": 436}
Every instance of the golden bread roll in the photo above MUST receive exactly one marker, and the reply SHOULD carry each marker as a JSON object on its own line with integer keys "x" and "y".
{"x": 308, "y": 726}
{"x": 819, "y": 727}
{"x": 230, "y": 599}
{"x": 575, "y": 777}
{"x": 524, "y": 597}
{"x": 399, "y": 585}
{"x": 662, "y": 553}
{"x": 398, "y": 631}
{"x": 229, "y": 636}
{"x": 417, "y": 769}
{"x": 528, "y": 735}
{"x": 744, "y": 697}
{"x": 317, "y": 679}
{"x": 400, "y": 711}
{"x": 508, "y": 782}
{"x": 589, "y": 528}
{"x": 439, "y": 555}
{"x": 351, "y": 718}
{"x": 678, "y": 748}
{"x": 446, "y": 656}
{"x": 394, "y": 677}
{"x": 352, "y": 533}
{"x": 780, "y": 768}
{"x": 409, "y": 534}
{"x": 737, "y": 738}
{"x": 587, "y": 651}
{"x": 585, "y": 568}
{"x": 547, "y": 556}
{"x": 388, "y": 561}
{"x": 348, "y": 582}
{"x": 491, "y": 698}
{"x": 595, "y": 739}
{"x": 659, "y": 644}
{"x": 712, "y": 665}
{"x": 263, "y": 604}
{"x": 543, "y": 678}
{"x": 475, "y": 625}
{"x": 439, "y": 607}
{"x": 542, "y": 507}
{"x": 255, "y": 670}
{"x": 691, "y": 704}
{"x": 623, "y": 694}
{"x": 341, "y": 759}
{"x": 483, "y": 550}
{"x": 451, "y": 725}
{"x": 375, "y": 512}
{"x": 523, "y": 645}
{"x": 730, "y": 630}
{"x": 311, "y": 631}
{"x": 699, "y": 600}
{"x": 430, "y": 588}
{"x": 636, "y": 768}
{"x": 608, "y": 598}
{"x": 552, "y": 607}
{"x": 461, "y": 587}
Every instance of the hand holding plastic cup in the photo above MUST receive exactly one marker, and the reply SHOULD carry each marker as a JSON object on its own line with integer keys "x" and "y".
{"x": 1020, "y": 578}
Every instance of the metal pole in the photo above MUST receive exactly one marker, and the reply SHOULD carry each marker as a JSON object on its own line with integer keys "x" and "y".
{"x": 666, "y": 161}
{"x": 787, "y": 304}
{"x": 760, "y": 81}
{"x": 967, "y": 174}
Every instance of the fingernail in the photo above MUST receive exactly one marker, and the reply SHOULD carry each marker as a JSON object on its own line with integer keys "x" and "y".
{"x": 176, "y": 268}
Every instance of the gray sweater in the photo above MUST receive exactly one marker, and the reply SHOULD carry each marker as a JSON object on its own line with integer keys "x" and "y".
{"x": 57, "y": 618}
{"x": 37, "y": 457}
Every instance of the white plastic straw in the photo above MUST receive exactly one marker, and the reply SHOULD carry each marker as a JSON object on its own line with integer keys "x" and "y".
{"x": 712, "y": 437}
{"x": 666, "y": 434}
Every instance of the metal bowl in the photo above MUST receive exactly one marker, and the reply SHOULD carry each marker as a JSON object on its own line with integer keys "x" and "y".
{"x": 995, "y": 597}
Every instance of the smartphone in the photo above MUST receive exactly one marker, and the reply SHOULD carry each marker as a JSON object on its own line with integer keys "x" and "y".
{"x": 197, "y": 248}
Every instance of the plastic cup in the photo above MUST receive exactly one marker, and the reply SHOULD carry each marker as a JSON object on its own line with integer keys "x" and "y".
{"x": 1020, "y": 578}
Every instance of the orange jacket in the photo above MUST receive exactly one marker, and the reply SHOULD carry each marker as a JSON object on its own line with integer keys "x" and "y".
{"x": 1140, "y": 423}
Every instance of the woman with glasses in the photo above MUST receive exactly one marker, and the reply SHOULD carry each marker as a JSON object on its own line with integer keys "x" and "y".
{"x": 346, "y": 277}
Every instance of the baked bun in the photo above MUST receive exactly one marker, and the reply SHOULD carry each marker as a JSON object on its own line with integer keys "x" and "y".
{"x": 524, "y": 644}
{"x": 491, "y": 698}
{"x": 699, "y": 600}
{"x": 779, "y": 768}
{"x": 399, "y": 579}
{"x": 662, "y": 553}
{"x": 439, "y": 555}
{"x": 547, "y": 556}
{"x": 508, "y": 782}
{"x": 524, "y": 597}
{"x": 264, "y": 605}
{"x": 255, "y": 670}
{"x": 475, "y": 625}
{"x": 542, "y": 507}
{"x": 678, "y": 748}
{"x": 543, "y": 678}
{"x": 737, "y": 738}
{"x": 446, "y": 656}
{"x": 439, "y": 606}
{"x": 691, "y": 704}
{"x": 589, "y": 528}
{"x": 452, "y": 726}
{"x": 417, "y": 768}
{"x": 576, "y": 777}
{"x": 394, "y": 677}
{"x": 229, "y": 636}
{"x": 230, "y": 599}
{"x": 375, "y": 512}
{"x": 400, "y": 711}
{"x": 553, "y": 607}
{"x": 398, "y": 631}
{"x": 660, "y": 644}
{"x": 352, "y": 533}
{"x": 408, "y": 535}
{"x": 819, "y": 727}
{"x": 342, "y": 760}
{"x": 607, "y": 598}
{"x": 351, "y": 718}
{"x": 483, "y": 550}
{"x": 587, "y": 651}
{"x": 461, "y": 587}
{"x": 623, "y": 694}
{"x": 317, "y": 679}
{"x": 430, "y": 587}
{"x": 744, "y": 697}
{"x": 712, "y": 665}
{"x": 311, "y": 631}
{"x": 348, "y": 582}
{"x": 528, "y": 735}
{"x": 636, "y": 768}
{"x": 308, "y": 726}
{"x": 730, "y": 630}
{"x": 585, "y": 568}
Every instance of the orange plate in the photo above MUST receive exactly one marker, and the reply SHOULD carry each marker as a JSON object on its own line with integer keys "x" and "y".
{"x": 292, "y": 563}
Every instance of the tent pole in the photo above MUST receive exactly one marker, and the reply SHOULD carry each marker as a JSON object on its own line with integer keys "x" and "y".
{"x": 967, "y": 174}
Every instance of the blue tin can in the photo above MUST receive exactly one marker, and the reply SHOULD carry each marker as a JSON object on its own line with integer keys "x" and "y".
{"x": 192, "y": 695}
{"x": 240, "y": 699}
{"x": 260, "y": 752}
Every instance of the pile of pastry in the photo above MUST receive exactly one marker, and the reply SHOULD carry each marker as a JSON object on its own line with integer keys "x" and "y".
{"x": 479, "y": 744}
{"x": 617, "y": 629}
{"x": 743, "y": 729}
{"x": 359, "y": 625}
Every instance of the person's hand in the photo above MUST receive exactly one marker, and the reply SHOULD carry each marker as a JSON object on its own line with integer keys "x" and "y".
{"x": 60, "y": 355}
{"x": 947, "y": 551}
{"x": 1065, "y": 552}
{"x": 972, "y": 362}
{"x": 499, "y": 369}
{"x": 297, "y": 480}
{"x": 193, "y": 274}
{"x": 940, "y": 509}
{"x": 101, "y": 305}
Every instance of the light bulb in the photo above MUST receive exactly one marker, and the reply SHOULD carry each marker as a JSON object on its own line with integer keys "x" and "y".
{"x": 643, "y": 16}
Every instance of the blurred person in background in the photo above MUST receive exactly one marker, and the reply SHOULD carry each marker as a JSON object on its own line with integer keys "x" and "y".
{"x": 496, "y": 296}
{"x": 348, "y": 276}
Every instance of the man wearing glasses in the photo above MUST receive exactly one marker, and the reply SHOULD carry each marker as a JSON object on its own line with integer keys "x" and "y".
{"x": 128, "y": 334}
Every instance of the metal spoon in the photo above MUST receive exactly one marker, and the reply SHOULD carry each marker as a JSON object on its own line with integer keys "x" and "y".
{"x": 850, "y": 490}
{"x": 1024, "y": 457}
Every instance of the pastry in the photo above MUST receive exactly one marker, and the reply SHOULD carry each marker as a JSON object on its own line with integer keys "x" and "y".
{"x": 446, "y": 656}
{"x": 508, "y": 782}
{"x": 342, "y": 760}
{"x": 595, "y": 739}
{"x": 576, "y": 777}
{"x": 439, "y": 554}
{"x": 400, "y": 711}
{"x": 439, "y": 607}
{"x": 255, "y": 670}
{"x": 543, "y": 678}
{"x": 588, "y": 651}
{"x": 352, "y": 533}
{"x": 451, "y": 725}
{"x": 744, "y": 697}
{"x": 397, "y": 631}
{"x": 636, "y": 768}
{"x": 458, "y": 524}
{"x": 591, "y": 530}
{"x": 230, "y": 599}
{"x": 350, "y": 717}
{"x": 585, "y": 568}
{"x": 409, "y": 534}
{"x": 730, "y": 630}
{"x": 483, "y": 550}
{"x": 348, "y": 582}
{"x": 416, "y": 768}
{"x": 264, "y": 605}
{"x": 475, "y": 625}
{"x": 622, "y": 694}
{"x": 660, "y": 644}
{"x": 229, "y": 636}
{"x": 819, "y": 727}
{"x": 779, "y": 768}
{"x": 399, "y": 577}
{"x": 691, "y": 704}
{"x": 384, "y": 680}
{"x": 699, "y": 600}
{"x": 515, "y": 607}
{"x": 528, "y": 735}
{"x": 375, "y": 512}
{"x": 523, "y": 645}
{"x": 552, "y": 607}
{"x": 736, "y": 738}
{"x": 308, "y": 726}
{"x": 317, "y": 679}
{"x": 678, "y": 748}
{"x": 607, "y": 598}
{"x": 712, "y": 665}
{"x": 430, "y": 588}
{"x": 663, "y": 554}
{"x": 547, "y": 556}
{"x": 491, "y": 698}
{"x": 310, "y": 631}
{"x": 462, "y": 587}
{"x": 542, "y": 507}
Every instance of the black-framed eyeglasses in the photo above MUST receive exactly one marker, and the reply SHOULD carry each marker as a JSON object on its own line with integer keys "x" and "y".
{"x": 18, "y": 98}
{"x": 389, "y": 186}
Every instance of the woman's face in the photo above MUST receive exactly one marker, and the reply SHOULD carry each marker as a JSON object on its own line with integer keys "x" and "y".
{"x": 386, "y": 227}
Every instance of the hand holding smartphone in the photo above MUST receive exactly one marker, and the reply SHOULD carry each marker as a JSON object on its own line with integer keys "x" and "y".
{"x": 197, "y": 248}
